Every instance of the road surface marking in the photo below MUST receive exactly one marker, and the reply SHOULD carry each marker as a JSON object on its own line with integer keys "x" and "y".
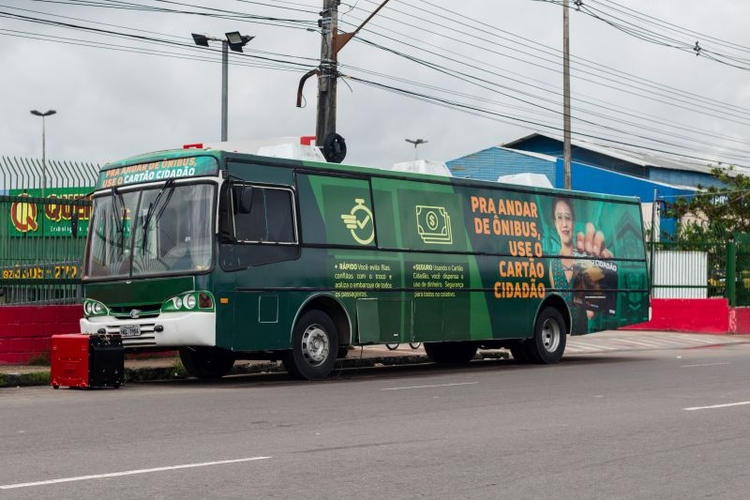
{"x": 426, "y": 386}
{"x": 727, "y": 405}
{"x": 127, "y": 473}
{"x": 706, "y": 364}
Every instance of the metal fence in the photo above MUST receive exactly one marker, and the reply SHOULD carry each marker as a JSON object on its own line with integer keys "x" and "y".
{"x": 40, "y": 258}
{"x": 699, "y": 269}
{"x": 694, "y": 271}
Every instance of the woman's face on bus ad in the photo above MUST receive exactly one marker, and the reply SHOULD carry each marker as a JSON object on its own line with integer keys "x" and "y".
{"x": 564, "y": 222}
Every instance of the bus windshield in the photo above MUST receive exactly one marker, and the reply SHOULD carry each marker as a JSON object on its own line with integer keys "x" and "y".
{"x": 155, "y": 230}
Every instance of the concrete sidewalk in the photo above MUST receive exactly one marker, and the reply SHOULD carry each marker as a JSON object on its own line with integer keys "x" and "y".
{"x": 169, "y": 367}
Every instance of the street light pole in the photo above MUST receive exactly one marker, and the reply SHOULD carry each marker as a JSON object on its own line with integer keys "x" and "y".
{"x": 44, "y": 145}
{"x": 416, "y": 143}
{"x": 234, "y": 41}
{"x": 224, "y": 89}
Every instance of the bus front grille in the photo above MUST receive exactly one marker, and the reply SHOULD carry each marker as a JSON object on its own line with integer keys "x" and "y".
{"x": 146, "y": 337}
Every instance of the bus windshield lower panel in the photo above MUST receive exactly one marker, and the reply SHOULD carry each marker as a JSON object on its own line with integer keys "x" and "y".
{"x": 162, "y": 229}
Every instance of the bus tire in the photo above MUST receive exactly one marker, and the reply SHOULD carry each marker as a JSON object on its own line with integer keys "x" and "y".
{"x": 315, "y": 345}
{"x": 450, "y": 352}
{"x": 206, "y": 362}
{"x": 548, "y": 344}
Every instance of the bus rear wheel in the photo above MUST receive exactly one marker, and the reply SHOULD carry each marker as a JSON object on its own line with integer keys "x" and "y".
{"x": 206, "y": 362}
{"x": 315, "y": 345}
{"x": 450, "y": 352}
{"x": 548, "y": 344}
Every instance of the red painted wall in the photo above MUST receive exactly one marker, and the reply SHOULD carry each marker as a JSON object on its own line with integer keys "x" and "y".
{"x": 25, "y": 331}
{"x": 739, "y": 320}
{"x": 697, "y": 316}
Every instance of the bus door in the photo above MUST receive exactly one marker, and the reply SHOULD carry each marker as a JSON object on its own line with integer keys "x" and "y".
{"x": 258, "y": 240}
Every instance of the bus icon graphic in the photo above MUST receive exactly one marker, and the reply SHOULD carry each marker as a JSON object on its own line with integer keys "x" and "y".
{"x": 434, "y": 225}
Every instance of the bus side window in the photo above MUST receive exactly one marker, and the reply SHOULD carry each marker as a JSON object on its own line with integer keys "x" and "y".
{"x": 259, "y": 232}
{"x": 268, "y": 218}
{"x": 279, "y": 216}
{"x": 251, "y": 225}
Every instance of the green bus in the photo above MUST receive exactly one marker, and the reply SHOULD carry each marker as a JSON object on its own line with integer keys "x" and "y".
{"x": 225, "y": 256}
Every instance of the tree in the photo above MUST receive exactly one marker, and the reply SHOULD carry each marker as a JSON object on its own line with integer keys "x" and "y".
{"x": 714, "y": 213}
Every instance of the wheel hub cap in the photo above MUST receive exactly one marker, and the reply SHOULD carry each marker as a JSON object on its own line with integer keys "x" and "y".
{"x": 315, "y": 345}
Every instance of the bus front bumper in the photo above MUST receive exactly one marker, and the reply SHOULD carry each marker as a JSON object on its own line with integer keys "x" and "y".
{"x": 173, "y": 329}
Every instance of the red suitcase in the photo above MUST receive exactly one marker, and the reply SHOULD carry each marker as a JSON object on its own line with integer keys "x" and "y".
{"x": 79, "y": 360}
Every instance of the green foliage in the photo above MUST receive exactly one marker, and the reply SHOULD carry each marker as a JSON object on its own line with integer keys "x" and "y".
{"x": 24, "y": 379}
{"x": 719, "y": 212}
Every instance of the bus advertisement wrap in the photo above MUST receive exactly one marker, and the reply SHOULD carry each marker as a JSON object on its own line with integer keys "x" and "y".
{"x": 480, "y": 254}
{"x": 245, "y": 255}
{"x": 158, "y": 170}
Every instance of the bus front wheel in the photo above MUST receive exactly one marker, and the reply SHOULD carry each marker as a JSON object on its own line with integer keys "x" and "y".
{"x": 548, "y": 344}
{"x": 206, "y": 362}
{"x": 315, "y": 345}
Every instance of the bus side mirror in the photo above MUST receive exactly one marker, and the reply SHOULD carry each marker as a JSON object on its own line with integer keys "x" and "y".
{"x": 74, "y": 223}
{"x": 243, "y": 196}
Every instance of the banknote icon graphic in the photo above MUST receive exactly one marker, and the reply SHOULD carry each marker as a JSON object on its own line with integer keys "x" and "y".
{"x": 434, "y": 225}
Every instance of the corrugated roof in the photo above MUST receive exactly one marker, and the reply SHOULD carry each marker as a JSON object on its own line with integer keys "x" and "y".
{"x": 641, "y": 158}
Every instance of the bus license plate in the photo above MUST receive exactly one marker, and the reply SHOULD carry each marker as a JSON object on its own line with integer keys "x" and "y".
{"x": 130, "y": 330}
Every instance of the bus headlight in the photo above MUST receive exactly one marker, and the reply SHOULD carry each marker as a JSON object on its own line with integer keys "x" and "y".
{"x": 191, "y": 301}
{"x": 94, "y": 308}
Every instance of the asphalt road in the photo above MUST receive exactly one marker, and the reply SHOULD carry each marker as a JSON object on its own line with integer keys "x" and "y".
{"x": 668, "y": 423}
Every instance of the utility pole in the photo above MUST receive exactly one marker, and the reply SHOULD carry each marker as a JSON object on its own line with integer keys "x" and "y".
{"x": 332, "y": 43}
{"x": 327, "y": 78}
{"x": 566, "y": 96}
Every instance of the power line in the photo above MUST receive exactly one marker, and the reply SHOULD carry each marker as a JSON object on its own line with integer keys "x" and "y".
{"x": 659, "y": 32}
{"x": 595, "y": 113}
{"x": 511, "y": 119}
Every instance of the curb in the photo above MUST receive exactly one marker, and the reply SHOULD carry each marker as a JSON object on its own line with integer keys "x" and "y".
{"x": 177, "y": 372}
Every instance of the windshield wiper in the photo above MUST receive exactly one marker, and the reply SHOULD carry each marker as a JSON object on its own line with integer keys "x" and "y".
{"x": 118, "y": 205}
{"x": 152, "y": 208}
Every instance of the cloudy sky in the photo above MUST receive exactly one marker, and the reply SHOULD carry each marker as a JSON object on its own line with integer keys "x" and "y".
{"x": 125, "y": 76}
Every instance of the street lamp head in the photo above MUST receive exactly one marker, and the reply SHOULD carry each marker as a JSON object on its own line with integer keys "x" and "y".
{"x": 236, "y": 40}
{"x": 416, "y": 142}
{"x": 46, "y": 113}
{"x": 201, "y": 40}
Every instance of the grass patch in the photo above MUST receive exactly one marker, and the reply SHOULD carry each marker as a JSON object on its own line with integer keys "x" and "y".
{"x": 24, "y": 379}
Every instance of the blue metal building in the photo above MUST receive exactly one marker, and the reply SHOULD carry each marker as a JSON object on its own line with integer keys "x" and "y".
{"x": 596, "y": 168}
